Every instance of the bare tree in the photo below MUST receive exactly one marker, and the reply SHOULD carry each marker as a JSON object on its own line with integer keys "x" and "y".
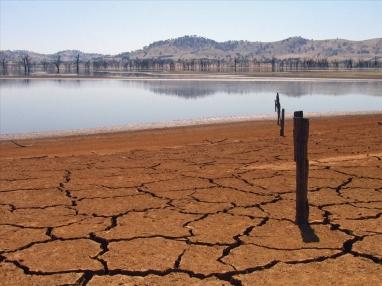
{"x": 87, "y": 66}
{"x": 78, "y": 63}
{"x": 57, "y": 63}
{"x": 4, "y": 63}
{"x": 349, "y": 63}
{"x": 44, "y": 65}
{"x": 27, "y": 64}
{"x": 273, "y": 62}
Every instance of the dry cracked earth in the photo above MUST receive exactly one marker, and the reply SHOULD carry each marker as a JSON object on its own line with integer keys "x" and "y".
{"x": 197, "y": 206}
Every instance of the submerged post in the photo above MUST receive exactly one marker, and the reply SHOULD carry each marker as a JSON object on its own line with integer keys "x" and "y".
{"x": 301, "y": 134}
{"x": 282, "y": 122}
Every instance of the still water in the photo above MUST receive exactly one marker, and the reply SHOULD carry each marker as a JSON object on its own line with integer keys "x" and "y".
{"x": 56, "y": 105}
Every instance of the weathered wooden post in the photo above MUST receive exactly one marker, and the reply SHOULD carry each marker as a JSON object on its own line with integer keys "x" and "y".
{"x": 277, "y": 101}
{"x": 278, "y": 112}
{"x": 301, "y": 134}
{"x": 296, "y": 114}
{"x": 282, "y": 122}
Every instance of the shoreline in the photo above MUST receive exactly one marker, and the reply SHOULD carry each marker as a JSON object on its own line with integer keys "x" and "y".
{"x": 217, "y": 79}
{"x": 256, "y": 76}
{"x": 175, "y": 124}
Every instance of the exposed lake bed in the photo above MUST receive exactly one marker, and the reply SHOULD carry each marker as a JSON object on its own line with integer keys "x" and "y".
{"x": 199, "y": 205}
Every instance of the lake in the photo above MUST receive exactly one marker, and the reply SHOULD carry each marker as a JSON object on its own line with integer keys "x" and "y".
{"x": 41, "y": 105}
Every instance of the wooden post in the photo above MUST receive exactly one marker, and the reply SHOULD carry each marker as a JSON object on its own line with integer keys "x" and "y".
{"x": 277, "y": 101}
{"x": 278, "y": 110}
{"x": 296, "y": 114}
{"x": 282, "y": 122}
{"x": 301, "y": 133}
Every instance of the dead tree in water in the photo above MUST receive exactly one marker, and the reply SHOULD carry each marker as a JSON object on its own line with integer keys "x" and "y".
{"x": 273, "y": 62}
{"x": 78, "y": 63}
{"x": 57, "y": 63}
{"x": 4, "y": 63}
{"x": 87, "y": 66}
{"x": 27, "y": 64}
{"x": 44, "y": 65}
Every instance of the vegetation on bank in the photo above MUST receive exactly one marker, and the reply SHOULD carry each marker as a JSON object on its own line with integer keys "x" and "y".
{"x": 27, "y": 66}
{"x": 197, "y": 54}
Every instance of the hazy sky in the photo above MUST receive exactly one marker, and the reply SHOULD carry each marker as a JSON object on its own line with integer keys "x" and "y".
{"x": 117, "y": 26}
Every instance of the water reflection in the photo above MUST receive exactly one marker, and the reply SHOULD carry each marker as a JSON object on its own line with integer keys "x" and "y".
{"x": 197, "y": 89}
{"x": 192, "y": 89}
{"x": 36, "y": 105}
{"x": 17, "y": 83}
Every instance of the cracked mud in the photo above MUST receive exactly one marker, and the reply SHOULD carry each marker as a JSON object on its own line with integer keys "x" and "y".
{"x": 210, "y": 205}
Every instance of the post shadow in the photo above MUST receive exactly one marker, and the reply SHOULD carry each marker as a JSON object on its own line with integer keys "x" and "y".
{"x": 307, "y": 233}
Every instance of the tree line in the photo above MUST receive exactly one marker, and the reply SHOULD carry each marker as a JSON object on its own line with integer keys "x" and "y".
{"x": 25, "y": 65}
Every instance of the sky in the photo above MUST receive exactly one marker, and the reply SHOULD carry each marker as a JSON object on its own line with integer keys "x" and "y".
{"x": 111, "y": 27}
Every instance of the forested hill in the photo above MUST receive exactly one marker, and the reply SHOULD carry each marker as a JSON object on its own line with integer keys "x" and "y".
{"x": 194, "y": 47}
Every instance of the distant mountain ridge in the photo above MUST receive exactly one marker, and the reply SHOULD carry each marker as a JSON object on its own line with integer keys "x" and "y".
{"x": 195, "y": 47}
{"x": 66, "y": 55}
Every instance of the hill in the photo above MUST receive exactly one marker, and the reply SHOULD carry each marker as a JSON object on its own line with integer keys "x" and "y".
{"x": 194, "y": 47}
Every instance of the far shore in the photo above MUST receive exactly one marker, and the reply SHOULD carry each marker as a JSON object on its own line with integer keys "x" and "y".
{"x": 123, "y": 75}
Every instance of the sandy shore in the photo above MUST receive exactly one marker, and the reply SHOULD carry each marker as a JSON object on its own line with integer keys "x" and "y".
{"x": 170, "y": 124}
{"x": 196, "y": 205}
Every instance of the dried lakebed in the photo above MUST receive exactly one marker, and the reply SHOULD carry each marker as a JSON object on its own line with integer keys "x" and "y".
{"x": 208, "y": 205}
